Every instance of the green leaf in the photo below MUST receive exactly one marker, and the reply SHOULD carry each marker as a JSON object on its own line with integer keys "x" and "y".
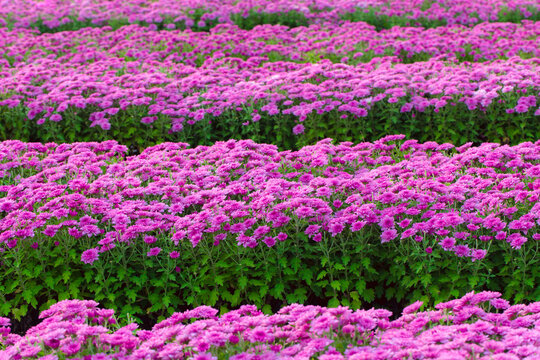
{"x": 66, "y": 276}
{"x": 218, "y": 279}
{"x": 307, "y": 275}
{"x": 368, "y": 295}
{"x": 5, "y": 308}
{"x": 248, "y": 262}
{"x": 89, "y": 276}
{"x": 333, "y": 302}
{"x": 20, "y": 312}
{"x": 321, "y": 275}
{"x": 324, "y": 261}
{"x": 111, "y": 296}
{"x": 335, "y": 285}
{"x": 166, "y": 301}
{"x": 131, "y": 294}
{"x": 277, "y": 290}
{"x": 27, "y": 295}
{"x": 360, "y": 286}
{"x": 426, "y": 280}
{"x": 263, "y": 290}
{"x": 49, "y": 281}
{"x": 121, "y": 273}
{"x": 295, "y": 264}
{"x": 242, "y": 282}
{"x": 366, "y": 262}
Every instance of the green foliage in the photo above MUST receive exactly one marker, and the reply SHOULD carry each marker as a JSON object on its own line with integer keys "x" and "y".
{"x": 352, "y": 269}
{"x": 253, "y": 18}
{"x": 291, "y": 19}
{"x": 516, "y": 16}
{"x": 372, "y": 16}
{"x": 456, "y": 124}
{"x": 381, "y": 21}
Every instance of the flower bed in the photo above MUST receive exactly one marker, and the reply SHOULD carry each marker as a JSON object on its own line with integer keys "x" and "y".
{"x": 149, "y": 101}
{"x": 240, "y": 221}
{"x": 58, "y": 15}
{"x": 350, "y": 43}
{"x": 126, "y": 179}
{"x": 481, "y": 326}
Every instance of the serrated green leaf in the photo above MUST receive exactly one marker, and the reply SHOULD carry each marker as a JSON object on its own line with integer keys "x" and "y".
{"x": 307, "y": 275}
{"x": 66, "y": 276}
{"x": 360, "y": 286}
{"x": 324, "y": 261}
{"x": 277, "y": 290}
{"x": 368, "y": 295}
{"x": 335, "y": 285}
{"x": 248, "y": 262}
{"x": 49, "y": 281}
{"x": 333, "y": 302}
{"x": 166, "y": 301}
{"x": 242, "y": 282}
{"x": 295, "y": 264}
{"x": 218, "y": 279}
{"x": 131, "y": 294}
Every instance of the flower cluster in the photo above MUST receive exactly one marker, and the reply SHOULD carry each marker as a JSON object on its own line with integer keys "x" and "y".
{"x": 458, "y": 199}
{"x": 94, "y": 90}
{"x": 350, "y": 43}
{"x": 478, "y": 325}
{"x": 54, "y": 14}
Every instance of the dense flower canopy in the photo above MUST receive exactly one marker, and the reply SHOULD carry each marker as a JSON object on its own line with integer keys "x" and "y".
{"x": 460, "y": 199}
{"x": 481, "y": 325}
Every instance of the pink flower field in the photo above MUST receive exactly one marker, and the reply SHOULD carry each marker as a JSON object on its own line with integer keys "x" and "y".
{"x": 259, "y": 179}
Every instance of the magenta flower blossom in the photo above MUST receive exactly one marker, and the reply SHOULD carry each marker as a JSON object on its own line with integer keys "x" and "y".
{"x": 153, "y": 251}
{"x": 448, "y": 243}
{"x": 386, "y": 222}
{"x": 298, "y": 129}
{"x": 312, "y": 230}
{"x": 516, "y": 240}
{"x": 411, "y": 309}
{"x": 282, "y": 236}
{"x": 150, "y": 239}
{"x": 478, "y": 254}
{"x": 89, "y": 256}
{"x": 388, "y": 235}
{"x": 56, "y": 117}
{"x": 462, "y": 250}
{"x": 269, "y": 241}
{"x": 358, "y": 225}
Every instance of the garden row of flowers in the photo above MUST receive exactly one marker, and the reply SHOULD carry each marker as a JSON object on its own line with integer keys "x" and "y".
{"x": 58, "y": 15}
{"x": 350, "y": 43}
{"x": 240, "y": 222}
{"x": 93, "y": 96}
{"x": 476, "y": 326}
